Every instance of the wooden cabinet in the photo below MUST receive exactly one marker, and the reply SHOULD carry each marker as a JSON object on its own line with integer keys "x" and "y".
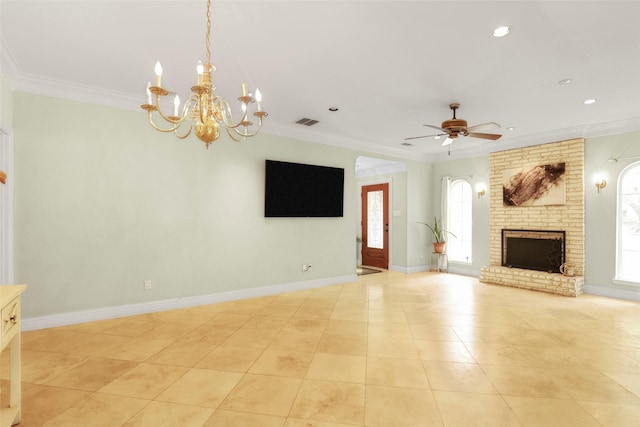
{"x": 10, "y": 337}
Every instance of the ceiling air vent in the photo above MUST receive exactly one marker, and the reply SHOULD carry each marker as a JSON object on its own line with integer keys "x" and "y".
{"x": 307, "y": 122}
{"x": 407, "y": 144}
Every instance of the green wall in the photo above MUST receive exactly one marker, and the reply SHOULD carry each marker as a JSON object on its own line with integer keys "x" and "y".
{"x": 103, "y": 203}
{"x": 600, "y": 235}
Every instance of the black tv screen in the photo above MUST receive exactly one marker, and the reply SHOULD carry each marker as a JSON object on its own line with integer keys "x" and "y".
{"x": 299, "y": 190}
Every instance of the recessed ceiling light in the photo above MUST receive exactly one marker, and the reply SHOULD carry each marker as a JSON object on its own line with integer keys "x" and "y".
{"x": 589, "y": 101}
{"x": 333, "y": 108}
{"x": 501, "y": 31}
{"x": 565, "y": 81}
{"x": 511, "y": 128}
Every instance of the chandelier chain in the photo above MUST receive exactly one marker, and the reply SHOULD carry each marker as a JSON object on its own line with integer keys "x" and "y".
{"x": 208, "y": 36}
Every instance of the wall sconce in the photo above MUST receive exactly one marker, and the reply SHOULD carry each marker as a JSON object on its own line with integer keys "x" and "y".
{"x": 600, "y": 184}
{"x": 481, "y": 190}
{"x": 3, "y": 177}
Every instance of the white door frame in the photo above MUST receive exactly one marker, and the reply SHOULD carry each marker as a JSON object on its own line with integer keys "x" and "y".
{"x": 374, "y": 182}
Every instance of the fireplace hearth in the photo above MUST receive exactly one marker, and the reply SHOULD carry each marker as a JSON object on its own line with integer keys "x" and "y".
{"x": 533, "y": 249}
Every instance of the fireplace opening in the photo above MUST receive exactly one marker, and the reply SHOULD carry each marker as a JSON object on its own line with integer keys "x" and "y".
{"x": 533, "y": 249}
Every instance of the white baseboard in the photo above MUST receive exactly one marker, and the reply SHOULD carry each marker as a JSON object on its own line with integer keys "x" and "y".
{"x": 463, "y": 271}
{"x": 612, "y": 293}
{"x": 415, "y": 269}
{"x": 72, "y": 318}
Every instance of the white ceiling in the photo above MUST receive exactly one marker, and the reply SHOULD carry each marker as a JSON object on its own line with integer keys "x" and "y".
{"x": 389, "y": 66}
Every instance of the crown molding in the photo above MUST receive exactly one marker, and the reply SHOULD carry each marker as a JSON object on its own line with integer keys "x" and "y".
{"x": 29, "y": 83}
{"x": 23, "y": 82}
{"x": 8, "y": 66}
{"x": 299, "y": 132}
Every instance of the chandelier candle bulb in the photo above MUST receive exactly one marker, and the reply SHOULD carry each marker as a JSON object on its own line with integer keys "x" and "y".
{"x": 244, "y": 89}
{"x": 244, "y": 113}
{"x": 200, "y": 70}
{"x": 158, "y": 70}
{"x": 148, "y": 93}
{"x": 259, "y": 99}
{"x": 176, "y": 104}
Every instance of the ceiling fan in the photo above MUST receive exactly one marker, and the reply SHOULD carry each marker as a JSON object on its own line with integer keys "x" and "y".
{"x": 455, "y": 127}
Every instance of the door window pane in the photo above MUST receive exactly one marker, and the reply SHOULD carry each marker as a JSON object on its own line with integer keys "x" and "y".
{"x": 375, "y": 220}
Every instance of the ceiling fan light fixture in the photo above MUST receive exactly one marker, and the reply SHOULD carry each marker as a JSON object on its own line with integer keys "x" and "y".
{"x": 447, "y": 141}
{"x": 501, "y": 31}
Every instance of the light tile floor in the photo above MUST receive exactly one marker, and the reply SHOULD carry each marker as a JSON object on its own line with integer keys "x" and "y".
{"x": 391, "y": 349}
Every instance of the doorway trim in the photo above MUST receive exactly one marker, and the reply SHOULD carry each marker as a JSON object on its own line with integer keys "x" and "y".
{"x": 6, "y": 207}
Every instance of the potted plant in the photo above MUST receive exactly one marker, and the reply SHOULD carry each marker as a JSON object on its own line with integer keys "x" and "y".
{"x": 438, "y": 235}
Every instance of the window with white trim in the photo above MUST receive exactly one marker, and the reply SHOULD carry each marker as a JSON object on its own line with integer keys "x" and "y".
{"x": 459, "y": 221}
{"x": 628, "y": 250}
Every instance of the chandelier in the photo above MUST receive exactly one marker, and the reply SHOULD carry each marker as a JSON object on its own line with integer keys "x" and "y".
{"x": 203, "y": 112}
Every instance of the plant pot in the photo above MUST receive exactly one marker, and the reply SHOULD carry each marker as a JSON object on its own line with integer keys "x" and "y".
{"x": 438, "y": 247}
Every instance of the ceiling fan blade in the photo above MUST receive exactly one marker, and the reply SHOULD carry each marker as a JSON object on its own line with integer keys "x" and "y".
{"x": 417, "y": 137}
{"x": 484, "y": 126}
{"x": 493, "y": 136}
{"x": 447, "y": 141}
{"x": 436, "y": 128}
{"x": 425, "y": 136}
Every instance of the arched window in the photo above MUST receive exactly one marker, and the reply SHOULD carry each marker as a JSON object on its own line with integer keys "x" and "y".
{"x": 459, "y": 221}
{"x": 628, "y": 251}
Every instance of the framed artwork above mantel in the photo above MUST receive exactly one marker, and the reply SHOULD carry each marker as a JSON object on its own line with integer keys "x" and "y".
{"x": 537, "y": 185}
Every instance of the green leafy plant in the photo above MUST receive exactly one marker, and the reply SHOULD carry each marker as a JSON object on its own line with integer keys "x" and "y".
{"x": 436, "y": 229}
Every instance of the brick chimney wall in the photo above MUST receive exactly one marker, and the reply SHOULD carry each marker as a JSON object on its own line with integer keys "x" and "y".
{"x": 568, "y": 217}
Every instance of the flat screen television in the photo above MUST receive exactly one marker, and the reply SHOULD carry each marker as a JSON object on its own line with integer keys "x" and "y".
{"x": 300, "y": 190}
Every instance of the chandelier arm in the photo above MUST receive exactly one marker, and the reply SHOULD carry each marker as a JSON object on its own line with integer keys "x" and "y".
{"x": 171, "y": 119}
{"x": 231, "y": 134}
{"x": 227, "y": 117}
{"x": 223, "y": 108}
{"x": 247, "y": 135}
{"x": 158, "y": 128}
{"x": 187, "y": 133}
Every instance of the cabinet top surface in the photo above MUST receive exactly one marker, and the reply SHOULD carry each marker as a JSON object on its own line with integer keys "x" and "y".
{"x": 9, "y": 292}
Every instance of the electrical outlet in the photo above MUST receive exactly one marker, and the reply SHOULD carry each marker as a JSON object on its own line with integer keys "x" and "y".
{"x": 147, "y": 284}
{"x": 306, "y": 267}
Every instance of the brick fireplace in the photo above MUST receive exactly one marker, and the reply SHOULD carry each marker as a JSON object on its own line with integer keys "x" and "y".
{"x": 567, "y": 218}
